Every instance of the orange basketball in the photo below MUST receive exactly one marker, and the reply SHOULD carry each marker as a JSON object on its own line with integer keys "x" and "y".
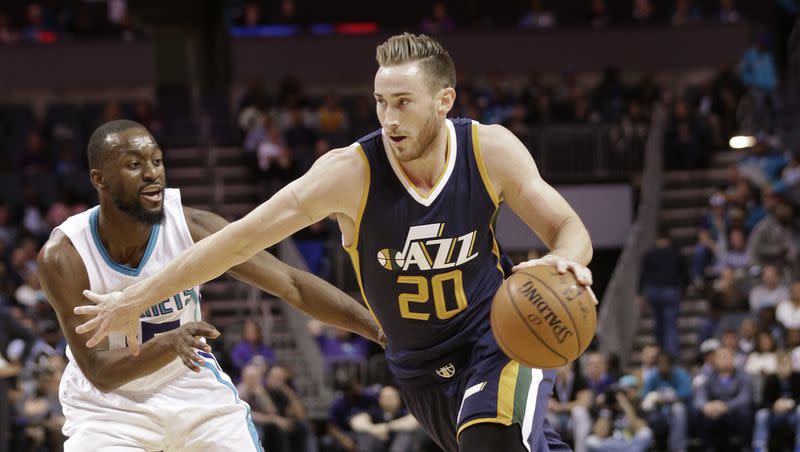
{"x": 543, "y": 319}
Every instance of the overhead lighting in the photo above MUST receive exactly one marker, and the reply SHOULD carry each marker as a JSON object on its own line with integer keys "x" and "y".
{"x": 741, "y": 142}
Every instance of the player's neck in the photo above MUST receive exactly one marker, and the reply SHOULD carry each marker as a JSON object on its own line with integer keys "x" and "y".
{"x": 426, "y": 170}
{"x": 124, "y": 238}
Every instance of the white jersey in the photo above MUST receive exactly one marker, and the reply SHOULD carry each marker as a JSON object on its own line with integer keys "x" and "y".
{"x": 167, "y": 240}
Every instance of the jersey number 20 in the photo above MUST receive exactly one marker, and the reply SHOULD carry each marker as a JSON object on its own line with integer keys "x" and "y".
{"x": 422, "y": 295}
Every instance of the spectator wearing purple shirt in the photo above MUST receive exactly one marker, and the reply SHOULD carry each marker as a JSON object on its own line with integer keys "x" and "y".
{"x": 251, "y": 345}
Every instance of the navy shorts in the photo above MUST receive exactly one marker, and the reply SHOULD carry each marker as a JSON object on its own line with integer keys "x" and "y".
{"x": 483, "y": 386}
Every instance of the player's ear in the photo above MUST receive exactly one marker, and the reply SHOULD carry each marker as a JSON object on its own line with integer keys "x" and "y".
{"x": 445, "y": 100}
{"x": 96, "y": 177}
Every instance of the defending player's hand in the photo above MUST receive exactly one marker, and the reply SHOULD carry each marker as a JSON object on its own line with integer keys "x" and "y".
{"x": 111, "y": 312}
{"x": 186, "y": 341}
{"x": 582, "y": 274}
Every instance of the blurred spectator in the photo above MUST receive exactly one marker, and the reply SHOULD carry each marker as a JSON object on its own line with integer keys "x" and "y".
{"x": 762, "y": 165}
{"x": 685, "y": 143}
{"x": 763, "y": 360}
{"x": 647, "y": 92}
{"x": 608, "y": 96}
{"x": 776, "y": 420}
{"x": 649, "y": 362}
{"x": 144, "y": 114}
{"x": 35, "y": 28}
{"x": 345, "y": 353}
{"x": 789, "y": 185}
{"x": 631, "y": 133}
{"x": 643, "y": 12}
{"x": 730, "y": 340}
{"x": 788, "y": 310}
{"x": 311, "y": 242}
{"x": 724, "y": 404}
{"x": 748, "y": 335}
{"x": 728, "y": 14}
{"x": 288, "y": 14}
{"x": 332, "y": 120}
{"x": 7, "y": 35}
{"x": 708, "y": 349}
{"x": 352, "y": 400}
{"x": 386, "y": 426}
{"x": 300, "y": 138}
{"x": 40, "y": 413}
{"x": 597, "y": 376}
{"x": 619, "y": 426}
{"x": 272, "y": 428}
{"x": 35, "y": 160}
{"x": 568, "y": 410}
{"x": 8, "y": 231}
{"x": 759, "y": 74}
{"x": 518, "y": 124}
{"x": 662, "y": 279}
{"x": 793, "y": 347}
{"x": 686, "y": 12}
{"x": 251, "y": 345}
{"x": 537, "y": 17}
{"x": 439, "y": 21}
{"x": 772, "y": 241}
{"x": 734, "y": 256}
{"x": 599, "y": 16}
{"x": 288, "y": 406}
{"x": 666, "y": 395}
{"x": 251, "y": 14}
{"x": 710, "y": 237}
{"x": 770, "y": 291}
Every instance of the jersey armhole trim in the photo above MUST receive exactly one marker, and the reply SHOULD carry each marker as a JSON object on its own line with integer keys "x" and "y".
{"x": 487, "y": 183}
{"x": 364, "y": 195}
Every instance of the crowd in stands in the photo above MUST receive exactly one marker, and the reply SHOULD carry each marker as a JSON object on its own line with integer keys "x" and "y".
{"x": 47, "y": 22}
{"x": 746, "y": 258}
{"x": 530, "y": 15}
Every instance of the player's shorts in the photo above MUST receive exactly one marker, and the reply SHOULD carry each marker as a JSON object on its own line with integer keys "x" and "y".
{"x": 193, "y": 412}
{"x": 483, "y": 385}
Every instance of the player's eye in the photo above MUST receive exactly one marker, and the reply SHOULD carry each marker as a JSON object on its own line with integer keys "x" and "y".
{"x": 404, "y": 101}
{"x": 157, "y": 162}
{"x": 381, "y": 101}
{"x": 133, "y": 165}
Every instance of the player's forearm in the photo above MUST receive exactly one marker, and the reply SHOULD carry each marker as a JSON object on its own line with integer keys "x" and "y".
{"x": 572, "y": 242}
{"x": 114, "y": 368}
{"x": 324, "y": 302}
{"x": 204, "y": 261}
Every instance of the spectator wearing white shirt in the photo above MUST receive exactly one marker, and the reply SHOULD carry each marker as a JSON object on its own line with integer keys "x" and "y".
{"x": 763, "y": 360}
{"x": 770, "y": 292}
{"x": 788, "y": 310}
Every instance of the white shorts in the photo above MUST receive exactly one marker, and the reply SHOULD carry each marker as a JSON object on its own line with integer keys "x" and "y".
{"x": 193, "y": 412}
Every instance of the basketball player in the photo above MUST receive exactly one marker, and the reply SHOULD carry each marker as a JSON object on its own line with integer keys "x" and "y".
{"x": 113, "y": 401}
{"x": 415, "y": 202}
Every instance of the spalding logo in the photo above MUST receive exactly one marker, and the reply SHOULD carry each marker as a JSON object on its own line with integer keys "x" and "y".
{"x": 559, "y": 329}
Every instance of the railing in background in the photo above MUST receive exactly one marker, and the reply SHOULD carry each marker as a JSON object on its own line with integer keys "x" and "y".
{"x": 582, "y": 151}
{"x": 305, "y": 343}
{"x": 619, "y": 316}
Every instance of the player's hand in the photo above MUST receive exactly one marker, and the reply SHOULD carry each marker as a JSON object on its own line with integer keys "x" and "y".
{"x": 185, "y": 342}
{"x": 110, "y": 312}
{"x": 582, "y": 274}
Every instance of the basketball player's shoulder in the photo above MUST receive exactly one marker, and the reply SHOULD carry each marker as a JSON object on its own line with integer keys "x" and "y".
{"x": 349, "y": 159}
{"x": 58, "y": 251}
{"x": 496, "y": 141}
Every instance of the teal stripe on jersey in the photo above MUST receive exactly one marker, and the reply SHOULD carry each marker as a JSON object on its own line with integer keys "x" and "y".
{"x": 250, "y": 426}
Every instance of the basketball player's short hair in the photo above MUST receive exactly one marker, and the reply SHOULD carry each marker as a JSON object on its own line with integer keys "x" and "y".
{"x": 98, "y": 149}
{"x": 433, "y": 58}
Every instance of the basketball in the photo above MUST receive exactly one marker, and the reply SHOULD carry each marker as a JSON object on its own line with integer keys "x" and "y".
{"x": 543, "y": 319}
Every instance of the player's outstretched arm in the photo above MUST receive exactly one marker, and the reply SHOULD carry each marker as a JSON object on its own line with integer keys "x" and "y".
{"x": 516, "y": 180}
{"x": 304, "y": 291}
{"x": 332, "y": 185}
{"x": 63, "y": 278}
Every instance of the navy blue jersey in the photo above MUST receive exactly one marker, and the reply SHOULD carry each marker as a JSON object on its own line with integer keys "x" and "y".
{"x": 428, "y": 266}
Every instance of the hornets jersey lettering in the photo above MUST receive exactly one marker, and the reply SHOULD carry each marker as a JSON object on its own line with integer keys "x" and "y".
{"x": 167, "y": 240}
{"x": 428, "y": 265}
